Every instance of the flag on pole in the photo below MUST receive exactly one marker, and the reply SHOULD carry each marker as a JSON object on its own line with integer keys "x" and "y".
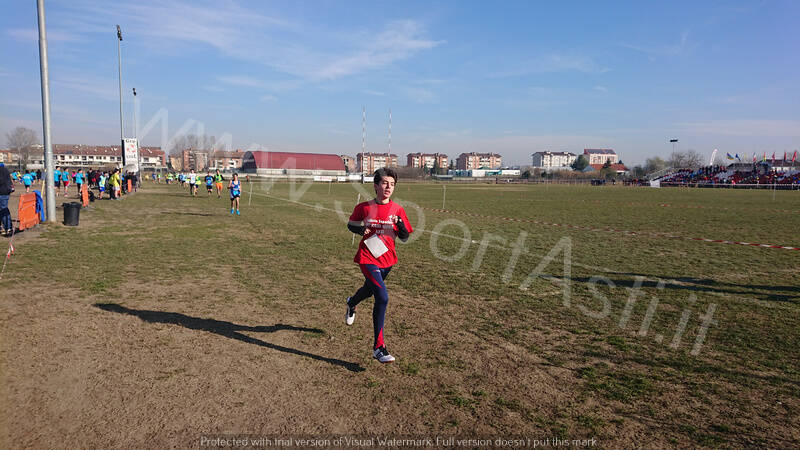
{"x": 794, "y": 157}
{"x": 784, "y": 156}
{"x": 737, "y": 157}
{"x": 728, "y": 155}
{"x": 773, "y": 157}
{"x": 765, "y": 157}
{"x": 754, "y": 158}
{"x": 10, "y": 250}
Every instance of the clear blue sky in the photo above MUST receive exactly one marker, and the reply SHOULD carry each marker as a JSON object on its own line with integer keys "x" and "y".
{"x": 509, "y": 77}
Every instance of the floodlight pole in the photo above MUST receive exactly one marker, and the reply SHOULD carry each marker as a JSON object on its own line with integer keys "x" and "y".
{"x": 136, "y": 136}
{"x": 134, "y": 114}
{"x": 50, "y": 196}
{"x": 119, "y": 61}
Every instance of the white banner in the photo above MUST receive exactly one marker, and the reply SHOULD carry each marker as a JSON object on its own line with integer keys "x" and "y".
{"x": 130, "y": 155}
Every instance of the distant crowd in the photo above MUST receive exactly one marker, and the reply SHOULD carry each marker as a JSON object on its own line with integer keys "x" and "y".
{"x": 722, "y": 175}
{"x": 113, "y": 182}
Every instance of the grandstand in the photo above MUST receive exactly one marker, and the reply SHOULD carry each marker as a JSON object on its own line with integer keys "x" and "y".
{"x": 740, "y": 174}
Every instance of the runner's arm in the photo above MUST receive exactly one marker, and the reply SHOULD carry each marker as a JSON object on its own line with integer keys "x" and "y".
{"x": 356, "y": 228}
{"x": 402, "y": 231}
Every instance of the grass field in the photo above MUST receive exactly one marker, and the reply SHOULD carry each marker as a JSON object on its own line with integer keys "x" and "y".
{"x": 536, "y": 311}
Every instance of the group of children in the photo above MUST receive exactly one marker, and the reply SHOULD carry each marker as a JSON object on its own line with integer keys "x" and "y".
{"x": 26, "y": 179}
{"x": 212, "y": 182}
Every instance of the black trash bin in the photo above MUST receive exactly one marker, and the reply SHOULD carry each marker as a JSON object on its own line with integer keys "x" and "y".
{"x": 72, "y": 212}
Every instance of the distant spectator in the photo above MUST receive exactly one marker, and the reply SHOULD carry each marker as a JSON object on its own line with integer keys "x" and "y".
{"x": 6, "y": 188}
{"x": 79, "y": 178}
{"x": 101, "y": 184}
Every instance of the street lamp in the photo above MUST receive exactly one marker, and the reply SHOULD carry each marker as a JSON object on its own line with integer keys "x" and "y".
{"x": 50, "y": 198}
{"x": 134, "y": 114}
{"x": 674, "y": 142}
{"x": 119, "y": 60}
{"x": 136, "y": 137}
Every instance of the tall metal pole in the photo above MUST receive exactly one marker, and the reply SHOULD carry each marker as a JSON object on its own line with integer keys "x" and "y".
{"x": 136, "y": 136}
{"x": 134, "y": 114}
{"x": 50, "y": 196}
{"x": 390, "y": 132}
{"x": 363, "y": 137}
{"x": 119, "y": 60}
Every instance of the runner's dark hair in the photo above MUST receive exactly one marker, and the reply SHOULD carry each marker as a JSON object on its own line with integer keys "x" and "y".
{"x": 382, "y": 173}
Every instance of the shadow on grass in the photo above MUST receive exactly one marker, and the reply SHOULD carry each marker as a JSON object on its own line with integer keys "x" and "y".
{"x": 705, "y": 285}
{"x": 187, "y": 213}
{"x": 229, "y": 330}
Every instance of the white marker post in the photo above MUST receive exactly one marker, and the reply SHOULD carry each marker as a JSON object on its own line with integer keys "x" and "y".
{"x": 444, "y": 192}
{"x": 250, "y": 197}
{"x": 354, "y": 235}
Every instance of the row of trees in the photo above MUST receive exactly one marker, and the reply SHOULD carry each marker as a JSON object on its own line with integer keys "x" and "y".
{"x": 192, "y": 141}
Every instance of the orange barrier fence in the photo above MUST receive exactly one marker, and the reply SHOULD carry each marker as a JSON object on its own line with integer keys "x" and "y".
{"x": 27, "y": 211}
{"x": 85, "y": 195}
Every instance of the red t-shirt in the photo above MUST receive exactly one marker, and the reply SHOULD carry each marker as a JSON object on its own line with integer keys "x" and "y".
{"x": 380, "y": 221}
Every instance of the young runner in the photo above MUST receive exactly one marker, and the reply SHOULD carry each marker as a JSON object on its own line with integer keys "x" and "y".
{"x": 27, "y": 180}
{"x": 192, "y": 181}
{"x": 379, "y": 221}
{"x": 56, "y": 180}
{"x": 236, "y": 191}
{"x": 79, "y": 181}
{"x": 65, "y": 177}
{"x": 209, "y": 183}
{"x": 218, "y": 181}
{"x": 101, "y": 183}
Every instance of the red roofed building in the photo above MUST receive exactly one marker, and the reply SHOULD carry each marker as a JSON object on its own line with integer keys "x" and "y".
{"x": 292, "y": 164}
{"x": 99, "y": 156}
{"x": 6, "y": 156}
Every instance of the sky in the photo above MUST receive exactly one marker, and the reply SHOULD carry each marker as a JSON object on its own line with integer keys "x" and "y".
{"x": 511, "y": 77}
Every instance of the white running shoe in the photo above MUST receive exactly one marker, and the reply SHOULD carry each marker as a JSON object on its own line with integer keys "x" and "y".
{"x": 350, "y": 317}
{"x": 382, "y": 355}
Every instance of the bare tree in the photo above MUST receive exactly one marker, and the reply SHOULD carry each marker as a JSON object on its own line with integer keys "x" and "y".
{"x": 689, "y": 159}
{"x": 22, "y": 141}
{"x": 202, "y": 143}
{"x": 654, "y": 164}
